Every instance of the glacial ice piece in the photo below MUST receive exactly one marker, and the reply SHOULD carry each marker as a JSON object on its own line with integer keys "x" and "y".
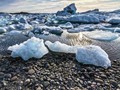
{"x": 102, "y": 35}
{"x": 94, "y": 55}
{"x": 114, "y": 21}
{"x": 71, "y": 9}
{"x": 2, "y": 30}
{"x": 33, "y": 47}
{"x": 67, "y": 25}
{"x": 61, "y": 47}
{"x": 52, "y": 30}
{"x": 83, "y": 18}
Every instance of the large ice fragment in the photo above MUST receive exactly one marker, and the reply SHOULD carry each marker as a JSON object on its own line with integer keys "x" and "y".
{"x": 61, "y": 47}
{"x": 102, "y": 35}
{"x": 33, "y": 47}
{"x": 93, "y": 55}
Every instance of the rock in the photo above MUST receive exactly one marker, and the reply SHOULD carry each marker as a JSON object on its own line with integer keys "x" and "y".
{"x": 99, "y": 80}
{"x": 114, "y": 83}
{"x": 114, "y": 21}
{"x": 93, "y": 55}
{"x": 28, "y": 80}
{"x": 31, "y": 71}
{"x": 46, "y": 83}
{"x": 38, "y": 88}
{"x": 61, "y": 47}
{"x": 4, "y": 83}
{"x": 33, "y": 47}
{"x": 67, "y": 25}
{"x": 2, "y": 30}
{"x": 82, "y": 18}
{"x": 71, "y": 9}
{"x": 14, "y": 78}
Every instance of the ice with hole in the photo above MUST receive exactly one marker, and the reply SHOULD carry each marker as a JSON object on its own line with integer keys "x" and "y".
{"x": 94, "y": 55}
{"x": 33, "y": 47}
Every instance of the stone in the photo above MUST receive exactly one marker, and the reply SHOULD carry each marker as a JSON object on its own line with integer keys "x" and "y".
{"x": 114, "y": 83}
{"x": 94, "y": 55}
{"x": 46, "y": 83}
{"x": 31, "y": 71}
{"x": 14, "y": 78}
{"x": 99, "y": 80}
{"x": 38, "y": 88}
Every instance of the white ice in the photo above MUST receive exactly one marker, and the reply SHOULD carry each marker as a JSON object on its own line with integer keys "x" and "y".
{"x": 93, "y": 55}
{"x": 33, "y": 47}
{"x": 102, "y": 35}
{"x": 61, "y": 47}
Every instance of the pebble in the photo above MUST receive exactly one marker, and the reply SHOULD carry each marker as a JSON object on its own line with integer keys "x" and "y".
{"x": 99, "y": 80}
{"x": 114, "y": 83}
{"x": 14, "y": 78}
{"x": 31, "y": 71}
{"x": 38, "y": 88}
{"x": 27, "y": 81}
{"x": 46, "y": 83}
{"x": 103, "y": 76}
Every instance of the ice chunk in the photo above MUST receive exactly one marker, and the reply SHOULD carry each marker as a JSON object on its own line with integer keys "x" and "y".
{"x": 61, "y": 47}
{"x": 67, "y": 25}
{"x": 33, "y": 47}
{"x": 102, "y": 35}
{"x": 2, "y": 30}
{"x": 93, "y": 55}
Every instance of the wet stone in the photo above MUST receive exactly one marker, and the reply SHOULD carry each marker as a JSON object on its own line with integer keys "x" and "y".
{"x": 14, "y": 78}
{"x": 31, "y": 71}
{"x": 99, "y": 80}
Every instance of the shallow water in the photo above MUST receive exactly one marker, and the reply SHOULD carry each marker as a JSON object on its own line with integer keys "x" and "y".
{"x": 49, "y": 6}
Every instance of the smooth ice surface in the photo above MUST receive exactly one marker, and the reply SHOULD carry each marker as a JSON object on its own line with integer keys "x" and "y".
{"x": 61, "y": 47}
{"x": 93, "y": 55}
{"x": 102, "y": 35}
{"x": 33, "y": 47}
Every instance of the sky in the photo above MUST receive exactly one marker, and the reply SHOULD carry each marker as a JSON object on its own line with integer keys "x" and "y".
{"x": 49, "y": 6}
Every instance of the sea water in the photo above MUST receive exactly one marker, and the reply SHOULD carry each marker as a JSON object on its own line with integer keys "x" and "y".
{"x": 52, "y": 6}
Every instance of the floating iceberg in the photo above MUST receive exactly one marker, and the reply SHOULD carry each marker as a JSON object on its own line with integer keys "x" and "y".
{"x": 61, "y": 47}
{"x": 33, "y": 47}
{"x": 93, "y": 55}
{"x": 102, "y": 35}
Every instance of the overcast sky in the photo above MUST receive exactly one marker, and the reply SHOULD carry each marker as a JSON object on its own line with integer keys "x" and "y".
{"x": 55, "y": 5}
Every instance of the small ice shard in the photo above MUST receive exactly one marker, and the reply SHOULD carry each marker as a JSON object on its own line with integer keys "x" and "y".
{"x": 94, "y": 55}
{"x": 2, "y": 30}
{"x": 33, "y": 47}
{"x": 114, "y": 21}
{"x": 102, "y": 35}
{"x": 61, "y": 47}
{"x": 14, "y": 32}
{"x": 67, "y": 25}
